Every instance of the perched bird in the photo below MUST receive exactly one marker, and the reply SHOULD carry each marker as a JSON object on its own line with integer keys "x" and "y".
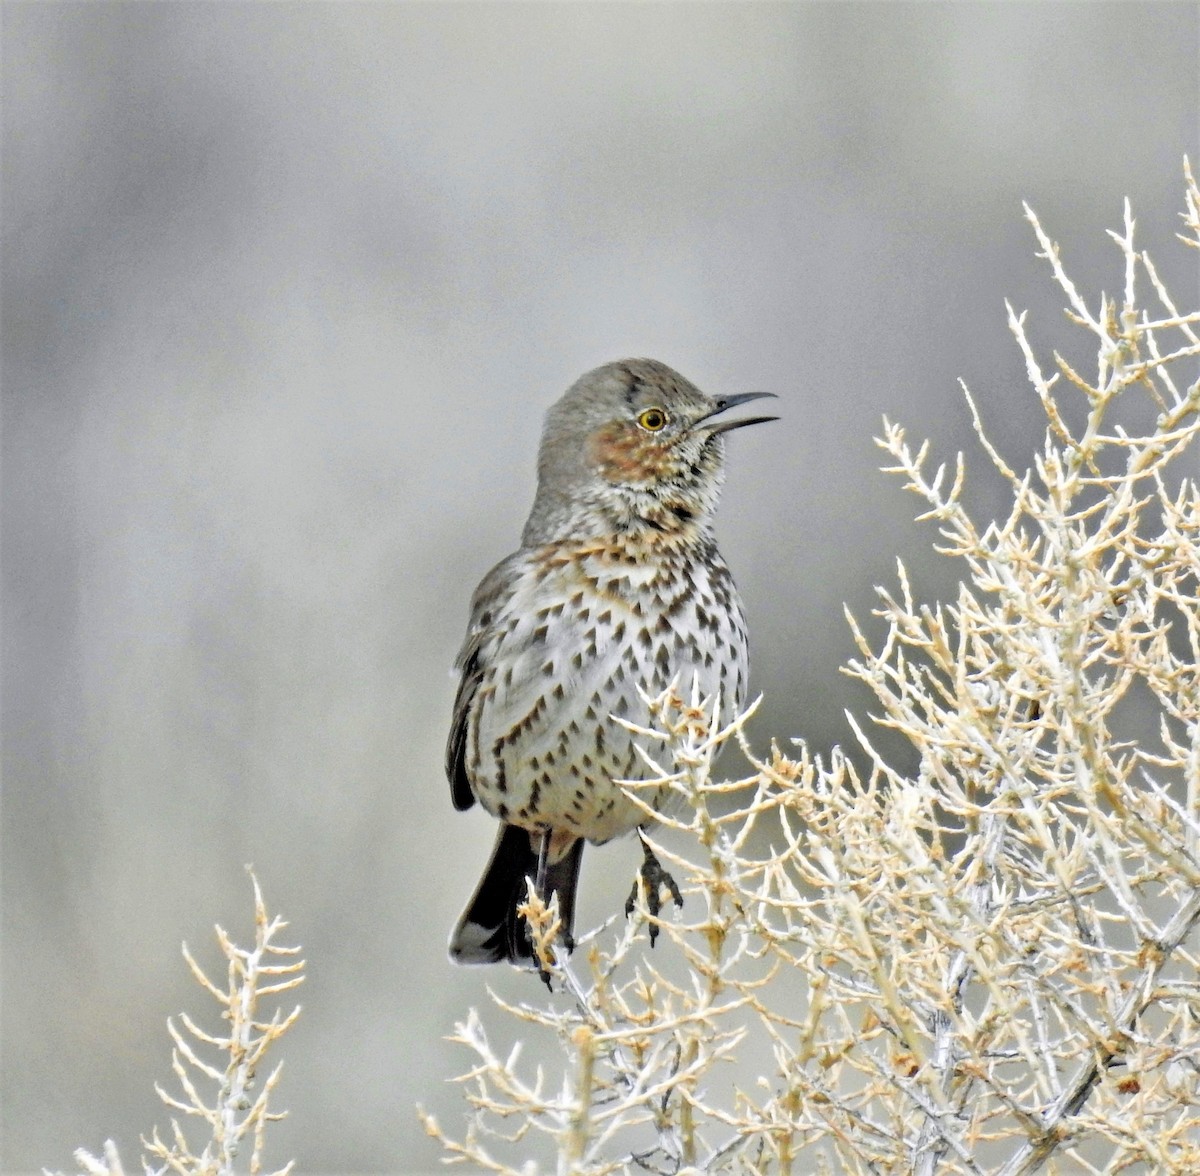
{"x": 617, "y": 585}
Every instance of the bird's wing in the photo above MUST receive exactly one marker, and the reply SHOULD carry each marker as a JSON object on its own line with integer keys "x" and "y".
{"x": 456, "y": 745}
{"x": 472, "y": 666}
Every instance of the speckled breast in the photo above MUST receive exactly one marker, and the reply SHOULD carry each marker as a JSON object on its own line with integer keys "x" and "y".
{"x": 582, "y": 626}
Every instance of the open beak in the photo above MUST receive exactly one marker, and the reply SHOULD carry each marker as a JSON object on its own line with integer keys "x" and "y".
{"x": 725, "y": 403}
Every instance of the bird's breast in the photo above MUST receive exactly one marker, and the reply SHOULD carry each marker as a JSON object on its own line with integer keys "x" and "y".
{"x": 586, "y": 632}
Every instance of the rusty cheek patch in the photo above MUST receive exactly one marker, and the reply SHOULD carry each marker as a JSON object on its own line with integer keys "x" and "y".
{"x": 624, "y": 454}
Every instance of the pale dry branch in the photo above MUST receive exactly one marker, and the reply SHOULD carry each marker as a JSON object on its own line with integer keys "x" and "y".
{"x": 221, "y": 1092}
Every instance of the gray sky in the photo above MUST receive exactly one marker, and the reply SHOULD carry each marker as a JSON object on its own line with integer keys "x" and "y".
{"x": 286, "y": 291}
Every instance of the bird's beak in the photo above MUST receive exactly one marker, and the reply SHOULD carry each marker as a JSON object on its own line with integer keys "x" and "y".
{"x": 725, "y": 403}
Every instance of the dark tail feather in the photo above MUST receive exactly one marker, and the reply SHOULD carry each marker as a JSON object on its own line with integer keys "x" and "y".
{"x": 490, "y": 929}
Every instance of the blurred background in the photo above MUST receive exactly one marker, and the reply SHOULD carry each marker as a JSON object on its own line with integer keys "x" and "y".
{"x": 286, "y": 291}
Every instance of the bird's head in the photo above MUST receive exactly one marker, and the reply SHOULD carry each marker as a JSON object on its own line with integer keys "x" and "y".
{"x": 631, "y": 445}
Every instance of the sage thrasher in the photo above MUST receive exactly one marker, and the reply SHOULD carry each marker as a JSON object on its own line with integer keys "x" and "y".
{"x": 617, "y": 585}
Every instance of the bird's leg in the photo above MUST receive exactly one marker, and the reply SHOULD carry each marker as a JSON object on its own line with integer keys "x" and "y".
{"x": 655, "y": 878}
{"x": 539, "y": 885}
{"x": 543, "y": 866}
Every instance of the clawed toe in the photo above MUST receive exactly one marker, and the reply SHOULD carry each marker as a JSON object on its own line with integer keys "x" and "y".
{"x": 655, "y": 879}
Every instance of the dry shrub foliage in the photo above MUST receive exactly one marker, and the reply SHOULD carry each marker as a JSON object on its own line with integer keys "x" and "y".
{"x": 984, "y": 965}
{"x": 219, "y": 1074}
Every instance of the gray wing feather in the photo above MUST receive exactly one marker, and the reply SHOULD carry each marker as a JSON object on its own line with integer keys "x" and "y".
{"x": 456, "y": 745}
{"x": 471, "y": 663}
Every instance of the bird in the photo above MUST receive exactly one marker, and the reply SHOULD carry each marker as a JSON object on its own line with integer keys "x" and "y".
{"x": 616, "y": 592}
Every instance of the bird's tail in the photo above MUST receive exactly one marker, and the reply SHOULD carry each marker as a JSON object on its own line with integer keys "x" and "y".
{"x": 490, "y": 928}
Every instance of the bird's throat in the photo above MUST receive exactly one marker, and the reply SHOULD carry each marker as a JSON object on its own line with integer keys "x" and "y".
{"x": 661, "y": 522}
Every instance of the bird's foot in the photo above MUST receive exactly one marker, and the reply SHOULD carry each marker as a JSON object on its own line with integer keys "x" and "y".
{"x": 544, "y": 975}
{"x": 654, "y": 878}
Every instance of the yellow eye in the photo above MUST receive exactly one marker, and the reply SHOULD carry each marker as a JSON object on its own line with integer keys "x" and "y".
{"x": 653, "y": 419}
